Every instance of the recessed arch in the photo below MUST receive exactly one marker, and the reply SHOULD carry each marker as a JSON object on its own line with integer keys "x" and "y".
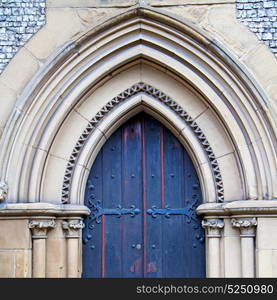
{"x": 83, "y": 65}
{"x": 125, "y": 105}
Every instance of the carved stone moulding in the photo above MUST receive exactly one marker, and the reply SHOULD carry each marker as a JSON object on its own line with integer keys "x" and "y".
{"x": 244, "y": 223}
{"x": 39, "y": 228}
{"x": 247, "y": 226}
{"x": 213, "y": 223}
{"x": 213, "y": 227}
{"x": 73, "y": 227}
{"x": 142, "y": 87}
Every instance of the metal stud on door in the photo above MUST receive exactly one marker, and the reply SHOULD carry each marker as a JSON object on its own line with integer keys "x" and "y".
{"x": 142, "y": 192}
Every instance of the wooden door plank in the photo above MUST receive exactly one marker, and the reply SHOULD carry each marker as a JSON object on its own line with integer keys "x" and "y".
{"x": 174, "y": 244}
{"x": 154, "y": 191}
{"x": 132, "y": 236}
{"x": 112, "y": 195}
{"x": 92, "y": 231}
{"x": 193, "y": 231}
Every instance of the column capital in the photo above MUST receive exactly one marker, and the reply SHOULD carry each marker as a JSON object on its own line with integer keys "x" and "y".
{"x": 246, "y": 225}
{"x": 213, "y": 226}
{"x": 73, "y": 228}
{"x": 39, "y": 228}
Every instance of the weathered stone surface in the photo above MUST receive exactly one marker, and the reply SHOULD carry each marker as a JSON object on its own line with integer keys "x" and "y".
{"x": 19, "y": 20}
{"x": 7, "y": 264}
{"x": 186, "y": 2}
{"x": 91, "y": 3}
{"x": 18, "y": 230}
{"x": 260, "y": 16}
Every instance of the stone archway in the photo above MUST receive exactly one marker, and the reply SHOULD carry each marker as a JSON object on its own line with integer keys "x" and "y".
{"x": 170, "y": 56}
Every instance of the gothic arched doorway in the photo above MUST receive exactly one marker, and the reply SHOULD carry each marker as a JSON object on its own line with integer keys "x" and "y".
{"x": 143, "y": 191}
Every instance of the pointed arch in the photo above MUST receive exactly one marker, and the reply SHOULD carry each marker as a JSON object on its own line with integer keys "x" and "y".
{"x": 133, "y": 100}
{"x": 184, "y": 52}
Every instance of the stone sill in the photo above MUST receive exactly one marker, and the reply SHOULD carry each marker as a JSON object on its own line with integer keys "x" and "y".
{"x": 243, "y": 207}
{"x": 43, "y": 209}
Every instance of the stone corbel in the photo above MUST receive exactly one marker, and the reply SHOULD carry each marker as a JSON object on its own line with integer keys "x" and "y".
{"x": 247, "y": 227}
{"x": 213, "y": 233}
{"x": 73, "y": 234}
{"x": 39, "y": 230}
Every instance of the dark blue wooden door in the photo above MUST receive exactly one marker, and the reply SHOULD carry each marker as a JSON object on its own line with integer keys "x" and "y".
{"x": 142, "y": 192}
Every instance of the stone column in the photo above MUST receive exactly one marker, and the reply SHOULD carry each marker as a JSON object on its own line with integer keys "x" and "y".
{"x": 213, "y": 233}
{"x": 73, "y": 229}
{"x": 247, "y": 228}
{"x": 39, "y": 235}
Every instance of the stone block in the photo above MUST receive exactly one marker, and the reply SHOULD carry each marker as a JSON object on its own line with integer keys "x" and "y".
{"x": 266, "y": 234}
{"x": 100, "y": 97}
{"x": 233, "y": 189}
{"x": 91, "y": 17}
{"x": 266, "y": 263}
{"x": 7, "y": 99}
{"x": 262, "y": 64}
{"x": 68, "y": 135}
{"x": 224, "y": 26}
{"x": 6, "y": 264}
{"x": 23, "y": 263}
{"x": 90, "y": 3}
{"x": 214, "y": 132}
{"x": 15, "y": 234}
{"x": 187, "y": 2}
{"x": 53, "y": 179}
{"x": 20, "y": 70}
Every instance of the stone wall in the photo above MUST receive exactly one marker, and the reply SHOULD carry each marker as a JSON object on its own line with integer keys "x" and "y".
{"x": 261, "y": 18}
{"x": 19, "y": 20}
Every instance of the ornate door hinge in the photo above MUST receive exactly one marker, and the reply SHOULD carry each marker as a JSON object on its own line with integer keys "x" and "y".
{"x": 98, "y": 212}
{"x": 167, "y": 212}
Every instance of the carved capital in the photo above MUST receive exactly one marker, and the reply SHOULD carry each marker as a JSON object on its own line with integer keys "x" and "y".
{"x": 213, "y": 227}
{"x": 39, "y": 228}
{"x": 3, "y": 191}
{"x": 73, "y": 228}
{"x": 246, "y": 225}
